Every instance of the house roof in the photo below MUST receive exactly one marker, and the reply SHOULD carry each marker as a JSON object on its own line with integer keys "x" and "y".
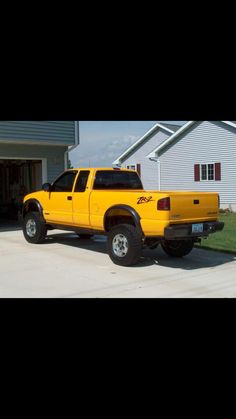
{"x": 176, "y": 134}
{"x": 172, "y": 127}
{"x": 141, "y": 140}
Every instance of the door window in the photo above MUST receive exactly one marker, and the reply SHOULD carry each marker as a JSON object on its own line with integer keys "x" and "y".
{"x": 65, "y": 182}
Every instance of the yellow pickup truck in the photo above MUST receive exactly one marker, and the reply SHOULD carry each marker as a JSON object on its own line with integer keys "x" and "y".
{"x": 113, "y": 202}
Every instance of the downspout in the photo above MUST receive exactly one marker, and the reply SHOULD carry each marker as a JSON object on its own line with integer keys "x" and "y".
{"x": 73, "y": 146}
{"x": 156, "y": 159}
{"x": 159, "y": 174}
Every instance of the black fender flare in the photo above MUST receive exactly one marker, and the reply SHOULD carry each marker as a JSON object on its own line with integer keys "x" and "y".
{"x": 32, "y": 201}
{"x": 136, "y": 217}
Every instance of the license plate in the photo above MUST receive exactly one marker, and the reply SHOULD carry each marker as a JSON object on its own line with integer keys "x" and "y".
{"x": 197, "y": 228}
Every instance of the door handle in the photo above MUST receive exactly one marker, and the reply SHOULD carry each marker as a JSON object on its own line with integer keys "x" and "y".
{"x": 69, "y": 198}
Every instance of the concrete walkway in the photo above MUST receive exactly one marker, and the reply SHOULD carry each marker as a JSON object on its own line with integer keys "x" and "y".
{"x": 66, "y": 266}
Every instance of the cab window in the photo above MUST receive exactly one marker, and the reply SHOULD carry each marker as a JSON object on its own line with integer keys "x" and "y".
{"x": 82, "y": 181}
{"x": 119, "y": 179}
{"x": 65, "y": 182}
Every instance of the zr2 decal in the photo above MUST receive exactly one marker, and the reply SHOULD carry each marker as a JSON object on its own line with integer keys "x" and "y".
{"x": 143, "y": 200}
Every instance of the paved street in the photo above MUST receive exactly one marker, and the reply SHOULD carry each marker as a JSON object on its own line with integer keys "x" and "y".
{"x": 66, "y": 266}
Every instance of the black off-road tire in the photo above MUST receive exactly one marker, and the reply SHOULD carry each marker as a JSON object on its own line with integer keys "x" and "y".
{"x": 38, "y": 225}
{"x": 177, "y": 248}
{"x": 85, "y": 236}
{"x": 131, "y": 238}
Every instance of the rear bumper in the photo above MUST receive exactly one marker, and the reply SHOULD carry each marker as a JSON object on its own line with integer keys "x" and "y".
{"x": 184, "y": 231}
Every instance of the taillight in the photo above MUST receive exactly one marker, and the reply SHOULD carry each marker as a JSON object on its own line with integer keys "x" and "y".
{"x": 163, "y": 204}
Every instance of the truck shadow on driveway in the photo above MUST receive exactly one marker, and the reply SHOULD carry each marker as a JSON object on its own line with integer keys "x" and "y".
{"x": 197, "y": 259}
{"x": 6, "y": 226}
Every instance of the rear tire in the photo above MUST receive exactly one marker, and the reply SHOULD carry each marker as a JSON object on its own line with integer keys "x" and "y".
{"x": 124, "y": 245}
{"x": 177, "y": 248}
{"x": 34, "y": 228}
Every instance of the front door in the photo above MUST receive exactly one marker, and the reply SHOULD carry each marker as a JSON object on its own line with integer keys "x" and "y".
{"x": 59, "y": 204}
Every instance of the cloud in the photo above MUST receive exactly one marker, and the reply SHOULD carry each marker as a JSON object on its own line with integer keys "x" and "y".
{"x": 101, "y": 153}
{"x": 102, "y": 142}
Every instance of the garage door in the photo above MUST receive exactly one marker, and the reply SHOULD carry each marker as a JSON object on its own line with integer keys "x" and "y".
{"x": 17, "y": 178}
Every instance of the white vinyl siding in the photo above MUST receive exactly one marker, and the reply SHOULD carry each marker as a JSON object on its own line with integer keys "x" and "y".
{"x": 205, "y": 141}
{"x": 149, "y": 169}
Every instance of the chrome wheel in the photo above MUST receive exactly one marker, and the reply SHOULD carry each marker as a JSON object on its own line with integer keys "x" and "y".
{"x": 120, "y": 245}
{"x": 31, "y": 228}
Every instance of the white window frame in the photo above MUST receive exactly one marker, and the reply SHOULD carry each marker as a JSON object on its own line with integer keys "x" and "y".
{"x": 129, "y": 167}
{"x": 214, "y": 173}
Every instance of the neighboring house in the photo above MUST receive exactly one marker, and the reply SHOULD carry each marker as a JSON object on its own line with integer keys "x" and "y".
{"x": 135, "y": 156}
{"x": 31, "y": 153}
{"x": 200, "y": 156}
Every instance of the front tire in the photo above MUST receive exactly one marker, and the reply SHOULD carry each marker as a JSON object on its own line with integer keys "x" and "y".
{"x": 177, "y": 248}
{"x": 124, "y": 245}
{"x": 34, "y": 228}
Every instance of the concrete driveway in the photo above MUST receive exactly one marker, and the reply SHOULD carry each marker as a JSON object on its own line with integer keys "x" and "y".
{"x": 66, "y": 266}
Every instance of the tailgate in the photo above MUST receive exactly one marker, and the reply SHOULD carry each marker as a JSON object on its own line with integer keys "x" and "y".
{"x": 193, "y": 206}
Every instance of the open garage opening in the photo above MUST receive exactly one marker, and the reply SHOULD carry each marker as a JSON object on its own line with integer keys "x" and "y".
{"x": 18, "y": 177}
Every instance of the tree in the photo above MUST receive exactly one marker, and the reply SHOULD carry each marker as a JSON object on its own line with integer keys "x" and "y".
{"x": 70, "y": 165}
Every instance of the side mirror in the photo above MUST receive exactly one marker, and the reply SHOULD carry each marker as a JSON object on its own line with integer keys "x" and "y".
{"x": 47, "y": 187}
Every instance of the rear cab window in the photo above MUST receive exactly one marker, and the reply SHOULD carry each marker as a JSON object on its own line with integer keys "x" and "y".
{"x": 82, "y": 181}
{"x": 117, "y": 179}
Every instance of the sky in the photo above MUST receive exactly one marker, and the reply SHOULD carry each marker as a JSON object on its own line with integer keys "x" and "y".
{"x": 101, "y": 142}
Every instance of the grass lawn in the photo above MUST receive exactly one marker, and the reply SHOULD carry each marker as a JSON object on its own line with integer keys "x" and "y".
{"x": 223, "y": 240}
